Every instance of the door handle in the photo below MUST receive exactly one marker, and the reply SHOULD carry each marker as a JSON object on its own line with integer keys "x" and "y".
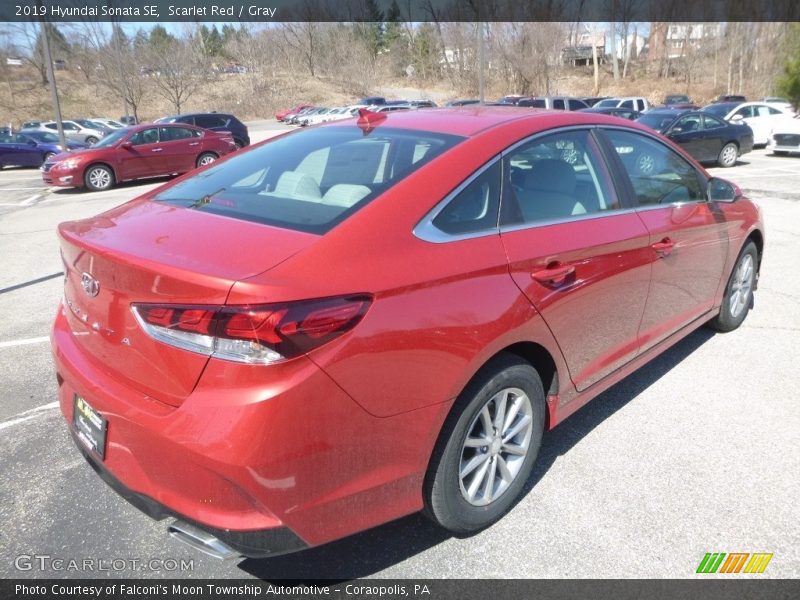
{"x": 664, "y": 247}
{"x": 156, "y": 150}
{"x": 555, "y": 273}
{"x": 195, "y": 144}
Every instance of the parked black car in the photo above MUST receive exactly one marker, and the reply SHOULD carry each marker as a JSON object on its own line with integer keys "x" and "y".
{"x": 129, "y": 120}
{"x": 704, "y": 136}
{"x": 462, "y": 102}
{"x": 215, "y": 122}
{"x": 615, "y": 111}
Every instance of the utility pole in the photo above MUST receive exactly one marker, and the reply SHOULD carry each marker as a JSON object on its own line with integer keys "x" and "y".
{"x": 115, "y": 32}
{"x": 48, "y": 59}
{"x": 482, "y": 57}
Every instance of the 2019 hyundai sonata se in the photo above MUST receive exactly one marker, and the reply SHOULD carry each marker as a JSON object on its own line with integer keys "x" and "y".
{"x": 354, "y": 322}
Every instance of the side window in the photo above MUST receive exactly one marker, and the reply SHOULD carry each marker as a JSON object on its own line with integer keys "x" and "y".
{"x": 659, "y": 175}
{"x": 68, "y": 127}
{"x": 774, "y": 111}
{"x": 627, "y": 104}
{"x": 475, "y": 207}
{"x": 762, "y": 111}
{"x": 145, "y": 136}
{"x": 745, "y": 111}
{"x": 52, "y": 126}
{"x": 558, "y": 104}
{"x": 171, "y": 134}
{"x": 207, "y": 121}
{"x": 556, "y": 177}
{"x": 688, "y": 123}
{"x": 712, "y": 122}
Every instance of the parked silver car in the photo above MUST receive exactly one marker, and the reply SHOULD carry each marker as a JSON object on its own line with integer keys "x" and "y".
{"x": 73, "y": 131}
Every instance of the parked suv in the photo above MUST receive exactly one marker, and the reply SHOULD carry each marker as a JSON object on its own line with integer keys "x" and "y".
{"x": 553, "y": 102}
{"x": 215, "y": 122}
{"x": 634, "y": 102}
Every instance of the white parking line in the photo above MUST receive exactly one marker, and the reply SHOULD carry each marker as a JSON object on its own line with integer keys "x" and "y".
{"x": 24, "y": 342}
{"x": 31, "y": 200}
{"x": 27, "y": 415}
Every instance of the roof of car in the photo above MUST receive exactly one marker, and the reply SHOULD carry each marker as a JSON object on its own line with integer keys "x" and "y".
{"x": 471, "y": 120}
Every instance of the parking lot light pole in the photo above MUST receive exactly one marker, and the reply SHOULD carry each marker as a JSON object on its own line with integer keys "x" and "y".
{"x": 48, "y": 59}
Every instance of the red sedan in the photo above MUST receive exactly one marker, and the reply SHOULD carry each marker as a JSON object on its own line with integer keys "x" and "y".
{"x": 357, "y": 321}
{"x": 135, "y": 153}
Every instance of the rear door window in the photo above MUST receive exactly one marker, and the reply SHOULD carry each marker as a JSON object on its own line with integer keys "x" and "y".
{"x": 209, "y": 121}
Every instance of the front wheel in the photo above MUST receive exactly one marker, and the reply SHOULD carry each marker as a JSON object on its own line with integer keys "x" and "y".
{"x": 738, "y": 298}
{"x": 206, "y": 159}
{"x": 98, "y": 178}
{"x": 487, "y": 447}
{"x": 728, "y": 155}
{"x": 91, "y": 140}
{"x": 48, "y": 156}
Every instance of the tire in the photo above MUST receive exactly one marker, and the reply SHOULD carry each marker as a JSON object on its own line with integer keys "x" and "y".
{"x": 456, "y": 490}
{"x": 738, "y": 298}
{"x": 98, "y": 178}
{"x": 779, "y": 152}
{"x": 728, "y": 155}
{"x": 91, "y": 140}
{"x": 48, "y": 156}
{"x": 206, "y": 158}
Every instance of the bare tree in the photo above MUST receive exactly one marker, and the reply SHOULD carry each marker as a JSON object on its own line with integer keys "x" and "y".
{"x": 179, "y": 70}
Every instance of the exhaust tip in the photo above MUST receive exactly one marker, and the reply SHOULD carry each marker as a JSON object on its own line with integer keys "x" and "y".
{"x": 201, "y": 540}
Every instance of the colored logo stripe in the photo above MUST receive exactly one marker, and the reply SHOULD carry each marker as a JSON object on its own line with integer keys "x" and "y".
{"x": 758, "y": 563}
{"x": 734, "y": 563}
{"x": 711, "y": 562}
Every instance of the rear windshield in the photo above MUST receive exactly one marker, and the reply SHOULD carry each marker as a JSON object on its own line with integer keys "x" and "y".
{"x": 656, "y": 121}
{"x": 310, "y": 180}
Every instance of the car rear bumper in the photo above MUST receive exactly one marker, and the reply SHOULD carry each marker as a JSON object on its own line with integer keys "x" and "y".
{"x": 280, "y": 450}
{"x": 785, "y": 142}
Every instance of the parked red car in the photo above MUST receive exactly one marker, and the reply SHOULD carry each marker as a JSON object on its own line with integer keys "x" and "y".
{"x": 357, "y": 321}
{"x": 137, "y": 152}
{"x": 281, "y": 114}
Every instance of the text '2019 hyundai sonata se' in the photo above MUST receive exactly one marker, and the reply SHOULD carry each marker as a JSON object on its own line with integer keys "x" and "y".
{"x": 354, "y": 322}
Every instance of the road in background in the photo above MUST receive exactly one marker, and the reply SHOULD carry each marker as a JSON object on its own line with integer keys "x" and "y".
{"x": 697, "y": 452}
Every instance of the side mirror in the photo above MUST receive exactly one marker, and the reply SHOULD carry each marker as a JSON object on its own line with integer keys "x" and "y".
{"x": 126, "y": 145}
{"x": 737, "y": 118}
{"x": 720, "y": 190}
{"x": 675, "y": 130}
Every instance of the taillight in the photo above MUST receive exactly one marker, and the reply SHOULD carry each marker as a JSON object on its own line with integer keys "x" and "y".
{"x": 259, "y": 334}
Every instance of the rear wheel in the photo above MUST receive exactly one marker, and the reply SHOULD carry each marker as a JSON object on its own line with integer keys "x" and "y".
{"x": 206, "y": 158}
{"x": 728, "y": 155}
{"x": 738, "y": 298}
{"x": 487, "y": 447}
{"x": 91, "y": 140}
{"x": 98, "y": 178}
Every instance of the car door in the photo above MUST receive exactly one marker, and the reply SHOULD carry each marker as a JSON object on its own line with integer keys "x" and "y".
{"x": 688, "y": 133}
{"x": 144, "y": 157}
{"x": 688, "y": 235}
{"x": 581, "y": 258}
{"x": 181, "y": 146}
{"x": 28, "y": 152}
{"x": 715, "y": 130}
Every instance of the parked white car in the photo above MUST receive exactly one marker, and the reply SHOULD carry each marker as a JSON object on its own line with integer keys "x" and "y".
{"x": 785, "y": 137}
{"x": 108, "y": 122}
{"x": 332, "y": 114}
{"x": 639, "y": 103}
{"x": 761, "y": 117}
{"x": 779, "y": 103}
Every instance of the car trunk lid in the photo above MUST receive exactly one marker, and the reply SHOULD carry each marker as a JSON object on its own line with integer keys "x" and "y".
{"x": 149, "y": 252}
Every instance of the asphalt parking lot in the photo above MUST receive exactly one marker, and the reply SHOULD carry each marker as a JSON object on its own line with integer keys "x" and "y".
{"x": 697, "y": 452}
